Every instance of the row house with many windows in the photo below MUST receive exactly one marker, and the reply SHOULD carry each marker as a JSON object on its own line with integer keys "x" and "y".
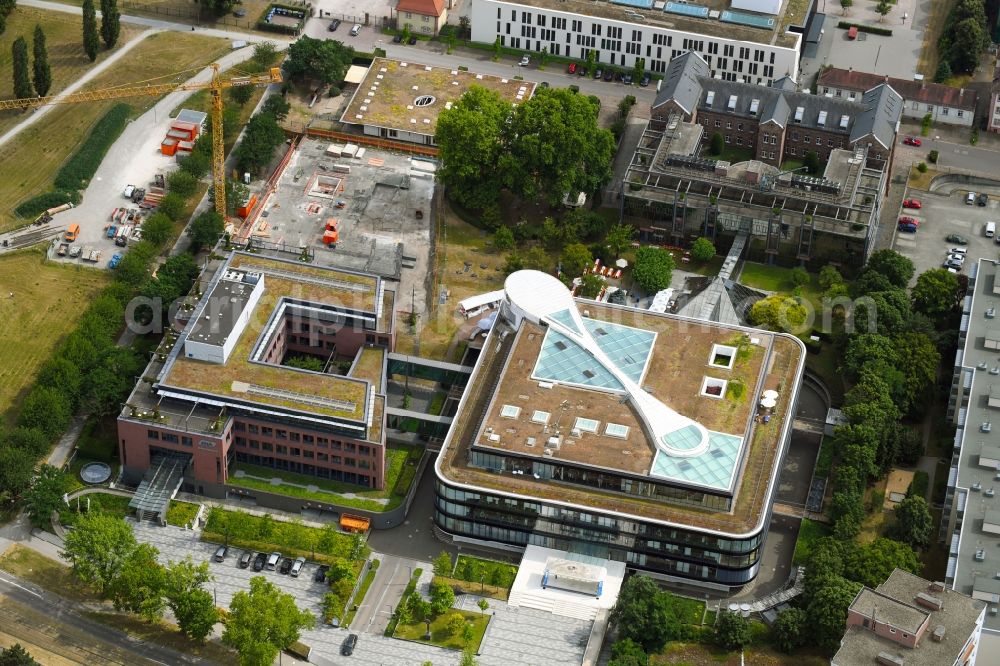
{"x": 623, "y": 36}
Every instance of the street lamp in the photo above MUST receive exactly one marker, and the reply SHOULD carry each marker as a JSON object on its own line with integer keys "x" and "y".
{"x": 482, "y": 582}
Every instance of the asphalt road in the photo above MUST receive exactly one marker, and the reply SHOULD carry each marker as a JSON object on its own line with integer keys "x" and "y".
{"x": 53, "y": 623}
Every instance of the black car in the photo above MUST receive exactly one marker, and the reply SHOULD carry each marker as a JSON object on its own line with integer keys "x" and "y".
{"x": 286, "y": 565}
{"x": 627, "y": 80}
{"x": 582, "y": 71}
{"x": 412, "y": 41}
{"x": 121, "y": 241}
{"x": 220, "y": 554}
{"x": 334, "y": 24}
{"x": 347, "y": 649}
{"x": 545, "y": 84}
{"x": 609, "y": 75}
{"x": 246, "y": 558}
{"x": 320, "y": 575}
{"x": 983, "y": 199}
{"x": 598, "y": 73}
{"x": 259, "y": 561}
{"x": 396, "y": 39}
{"x": 646, "y": 78}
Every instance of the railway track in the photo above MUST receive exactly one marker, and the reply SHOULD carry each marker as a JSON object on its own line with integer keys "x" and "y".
{"x": 15, "y": 241}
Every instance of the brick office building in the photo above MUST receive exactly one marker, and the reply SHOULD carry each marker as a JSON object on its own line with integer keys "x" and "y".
{"x": 777, "y": 122}
{"x": 216, "y": 394}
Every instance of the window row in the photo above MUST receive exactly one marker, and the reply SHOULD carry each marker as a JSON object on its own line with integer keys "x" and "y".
{"x": 243, "y": 443}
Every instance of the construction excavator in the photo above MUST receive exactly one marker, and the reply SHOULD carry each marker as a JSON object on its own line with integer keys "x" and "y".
{"x": 216, "y": 85}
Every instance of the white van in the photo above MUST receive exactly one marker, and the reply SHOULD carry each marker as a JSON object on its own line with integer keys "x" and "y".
{"x": 970, "y": 198}
{"x": 991, "y": 229}
{"x": 272, "y": 561}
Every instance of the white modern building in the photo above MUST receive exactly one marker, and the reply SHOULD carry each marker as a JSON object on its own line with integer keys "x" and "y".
{"x": 739, "y": 45}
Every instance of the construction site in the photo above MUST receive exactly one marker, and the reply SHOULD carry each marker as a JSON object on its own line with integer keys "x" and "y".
{"x": 344, "y": 205}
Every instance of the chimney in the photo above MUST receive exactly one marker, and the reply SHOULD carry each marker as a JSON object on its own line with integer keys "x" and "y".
{"x": 937, "y": 586}
{"x": 927, "y": 601}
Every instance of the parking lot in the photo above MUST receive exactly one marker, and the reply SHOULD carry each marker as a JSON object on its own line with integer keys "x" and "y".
{"x": 947, "y": 213}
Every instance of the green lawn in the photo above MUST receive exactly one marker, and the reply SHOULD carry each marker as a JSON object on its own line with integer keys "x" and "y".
{"x": 478, "y": 570}
{"x": 733, "y": 154}
{"x": 181, "y": 513}
{"x": 689, "y": 611}
{"x": 809, "y": 533}
{"x": 114, "y": 505}
{"x": 778, "y": 279}
{"x": 824, "y": 460}
{"x": 401, "y": 462}
{"x": 709, "y": 268}
{"x": 441, "y": 635}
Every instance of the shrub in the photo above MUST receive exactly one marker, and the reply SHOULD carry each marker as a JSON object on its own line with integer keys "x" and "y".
{"x": 922, "y": 167}
{"x": 919, "y": 484}
{"x": 81, "y": 167}
{"x": 38, "y": 204}
{"x": 932, "y": 157}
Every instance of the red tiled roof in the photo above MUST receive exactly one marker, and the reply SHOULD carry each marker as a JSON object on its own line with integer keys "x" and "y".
{"x": 920, "y": 91}
{"x": 422, "y": 7}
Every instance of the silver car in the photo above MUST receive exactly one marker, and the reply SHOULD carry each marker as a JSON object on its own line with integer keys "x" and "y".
{"x": 297, "y": 566}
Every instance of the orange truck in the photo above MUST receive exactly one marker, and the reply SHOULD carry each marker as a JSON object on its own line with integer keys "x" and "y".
{"x": 72, "y": 232}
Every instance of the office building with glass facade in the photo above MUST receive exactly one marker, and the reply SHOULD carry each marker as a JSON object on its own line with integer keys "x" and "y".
{"x": 625, "y": 434}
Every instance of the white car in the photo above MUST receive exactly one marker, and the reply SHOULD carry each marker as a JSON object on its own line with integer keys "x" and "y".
{"x": 355, "y": 30}
{"x": 960, "y": 258}
{"x": 129, "y": 189}
{"x": 297, "y": 566}
{"x": 525, "y": 60}
{"x": 958, "y": 250}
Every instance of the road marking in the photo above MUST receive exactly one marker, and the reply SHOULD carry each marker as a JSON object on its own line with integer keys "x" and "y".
{"x": 10, "y": 582}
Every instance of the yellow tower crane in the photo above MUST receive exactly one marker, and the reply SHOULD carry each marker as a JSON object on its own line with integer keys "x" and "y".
{"x": 216, "y": 86}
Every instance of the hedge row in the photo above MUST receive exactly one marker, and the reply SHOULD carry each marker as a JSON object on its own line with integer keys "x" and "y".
{"x": 873, "y": 29}
{"x": 262, "y": 24}
{"x": 81, "y": 167}
{"x": 37, "y": 205}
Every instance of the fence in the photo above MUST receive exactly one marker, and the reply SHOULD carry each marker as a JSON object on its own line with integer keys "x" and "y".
{"x": 193, "y": 12}
{"x": 362, "y": 139}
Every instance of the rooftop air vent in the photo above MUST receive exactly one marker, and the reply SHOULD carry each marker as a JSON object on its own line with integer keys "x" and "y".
{"x": 938, "y": 586}
{"x": 938, "y": 634}
{"x": 927, "y": 601}
{"x": 887, "y": 659}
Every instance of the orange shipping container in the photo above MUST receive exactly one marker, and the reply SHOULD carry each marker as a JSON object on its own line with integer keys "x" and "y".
{"x": 168, "y": 147}
{"x": 244, "y": 210}
{"x": 331, "y": 237}
{"x": 354, "y": 523}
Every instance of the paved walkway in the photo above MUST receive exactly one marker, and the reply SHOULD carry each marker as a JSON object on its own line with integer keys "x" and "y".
{"x": 61, "y": 453}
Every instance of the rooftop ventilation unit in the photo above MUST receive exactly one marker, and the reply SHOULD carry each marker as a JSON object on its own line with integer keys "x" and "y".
{"x": 731, "y": 104}
{"x": 938, "y": 634}
{"x": 799, "y": 110}
{"x": 887, "y": 659}
{"x": 938, "y": 586}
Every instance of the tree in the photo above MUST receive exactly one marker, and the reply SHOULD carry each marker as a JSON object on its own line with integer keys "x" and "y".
{"x": 503, "y": 239}
{"x": 882, "y": 8}
{"x": 627, "y": 652}
{"x": 798, "y": 276}
{"x": 261, "y": 137}
{"x": 468, "y": 656}
{"x": 442, "y": 564}
{"x": 138, "y": 587}
{"x": 894, "y": 266}
{"x": 241, "y": 94}
{"x": 513, "y": 264}
{"x": 324, "y": 59}
{"x": 717, "y": 144}
{"x": 454, "y": 623}
{"x": 829, "y": 276}
{"x": 827, "y": 612}
{"x": 702, "y": 249}
{"x": 846, "y": 4}
{"x": 919, "y": 359}
{"x": 47, "y": 409}
{"x": 206, "y": 229}
{"x": 913, "y": 522}
{"x": 262, "y": 622}
{"x": 277, "y": 106}
{"x": 17, "y": 467}
{"x": 173, "y": 204}
{"x": 483, "y": 605}
{"x": 16, "y": 655}
{"x": 98, "y": 548}
{"x": 653, "y": 269}
{"x": 789, "y": 627}
{"x": 264, "y": 54}
{"x": 110, "y": 23}
{"x": 30, "y": 441}
{"x": 159, "y": 228}
{"x": 42, "y": 73}
{"x": 467, "y": 634}
{"x": 537, "y": 259}
{"x": 644, "y": 613}
{"x": 196, "y": 613}
{"x": 811, "y": 162}
{"x": 965, "y": 51}
{"x": 778, "y": 313}
{"x": 590, "y": 286}
{"x": 442, "y": 597}
{"x": 619, "y": 238}
{"x": 872, "y": 563}
{"x": 19, "y": 59}
{"x": 935, "y": 294}
{"x": 91, "y": 41}
{"x": 108, "y": 384}
{"x": 218, "y": 7}
{"x": 575, "y": 258}
{"x": 732, "y": 631}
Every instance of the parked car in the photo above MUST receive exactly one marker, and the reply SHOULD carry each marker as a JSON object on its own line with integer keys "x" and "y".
{"x": 983, "y": 199}
{"x": 953, "y": 271}
{"x": 609, "y": 74}
{"x": 411, "y": 41}
{"x": 239, "y": 13}
{"x": 912, "y": 141}
{"x": 581, "y": 70}
{"x": 320, "y": 575}
{"x": 112, "y": 231}
{"x": 627, "y": 80}
{"x": 334, "y": 24}
{"x": 544, "y": 84}
{"x": 397, "y": 39}
{"x": 115, "y": 260}
{"x": 949, "y": 263}
{"x": 272, "y": 561}
{"x": 956, "y": 256}
{"x": 909, "y": 220}
{"x": 957, "y": 238}
{"x": 525, "y": 60}
{"x": 347, "y": 649}
{"x": 598, "y": 73}
{"x": 259, "y": 561}
{"x": 958, "y": 250}
{"x": 912, "y": 203}
{"x": 297, "y": 566}
{"x": 286, "y": 565}
{"x": 970, "y": 198}
{"x": 571, "y": 69}
{"x": 355, "y": 30}
{"x": 129, "y": 189}
{"x": 907, "y": 228}
{"x": 245, "y": 559}
{"x": 646, "y": 78}
{"x": 121, "y": 241}
{"x": 221, "y": 551}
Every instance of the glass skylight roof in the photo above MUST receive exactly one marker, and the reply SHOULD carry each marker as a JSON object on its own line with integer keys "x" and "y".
{"x": 562, "y": 360}
{"x": 586, "y": 425}
{"x": 539, "y": 416}
{"x": 510, "y": 411}
{"x": 684, "y": 439}
{"x": 616, "y": 430}
{"x": 714, "y": 468}
{"x": 565, "y": 317}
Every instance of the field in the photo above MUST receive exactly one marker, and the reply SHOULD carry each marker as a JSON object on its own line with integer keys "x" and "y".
{"x": 47, "y": 144}
{"x": 47, "y": 300}
{"x": 441, "y": 635}
{"x": 694, "y": 654}
{"x": 45, "y": 572}
{"x": 65, "y": 47}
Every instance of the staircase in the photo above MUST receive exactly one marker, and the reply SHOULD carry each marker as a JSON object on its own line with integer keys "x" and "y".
{"x": 161, "y": 482}
{"x": 557, "y": 605}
